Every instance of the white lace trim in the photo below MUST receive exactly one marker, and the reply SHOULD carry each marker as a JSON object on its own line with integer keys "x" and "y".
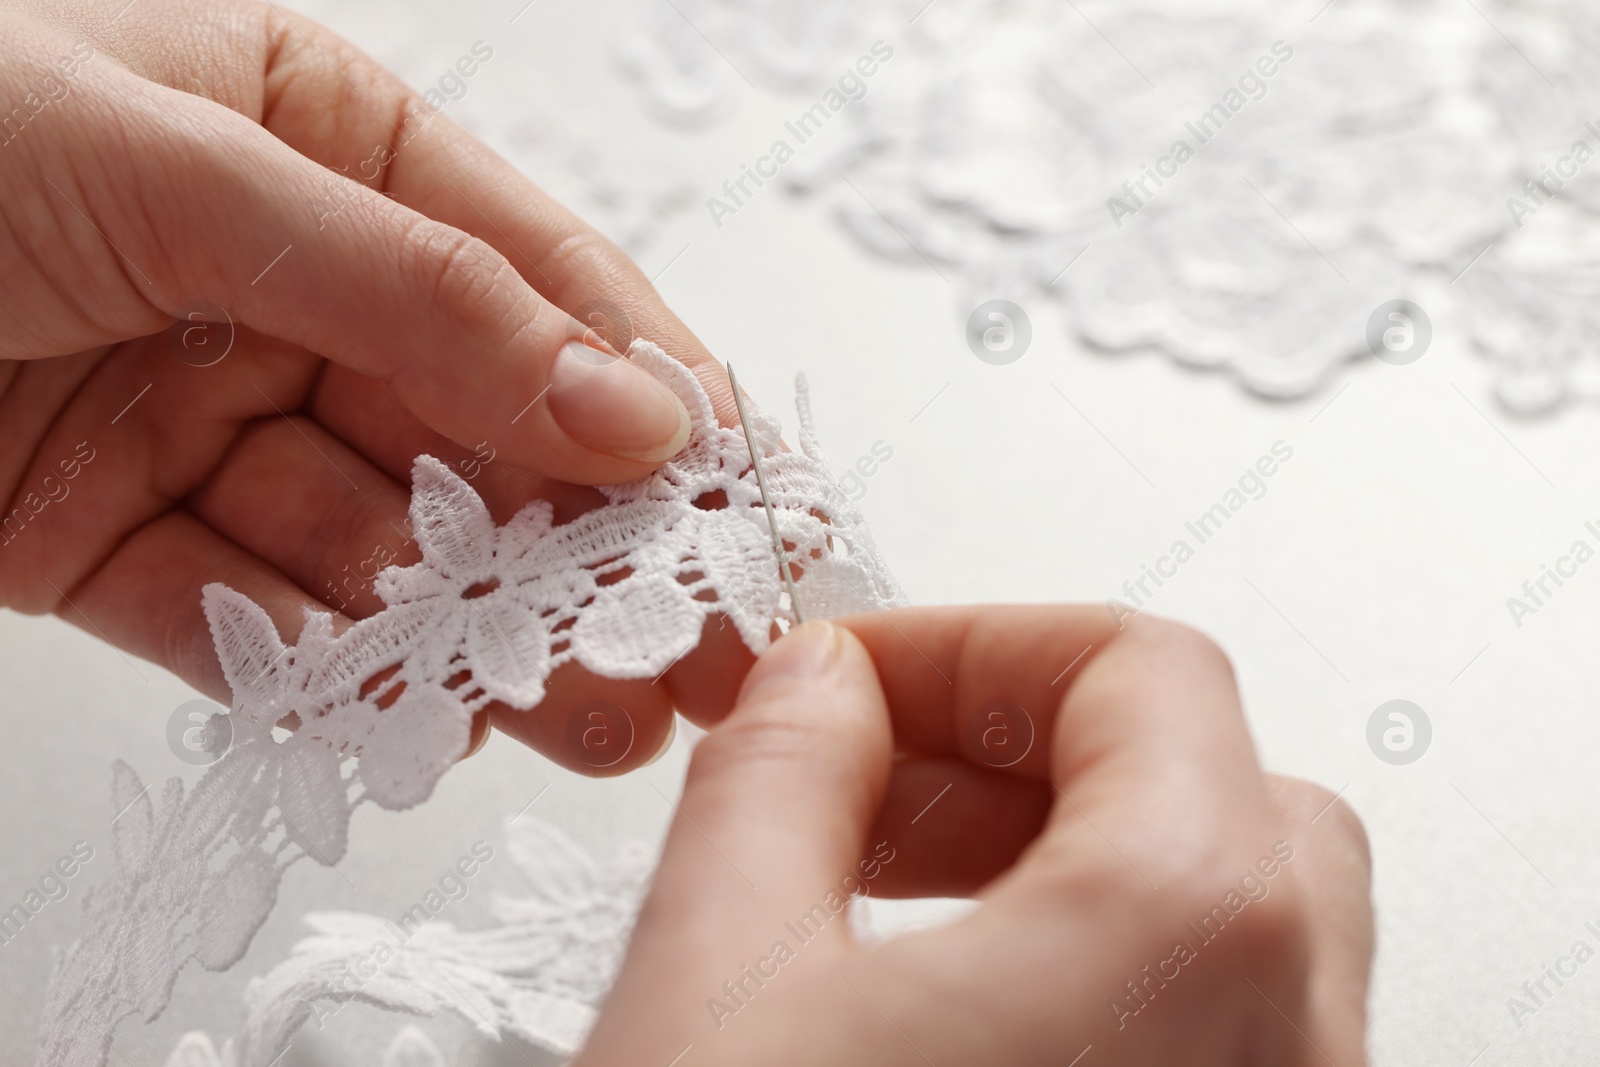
{"x": 539, "y": 973}
{"x": 410, "y": 1048}
{"x": 1370, "y": 165}
{"x": 378, "y": 711}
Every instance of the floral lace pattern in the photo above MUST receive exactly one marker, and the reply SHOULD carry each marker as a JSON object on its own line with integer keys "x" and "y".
{"x": 378, "y": 711}
{"x": 538, "y": 974}
{"x": 410, "y": 1048}
{"x": 1031, "y": 151}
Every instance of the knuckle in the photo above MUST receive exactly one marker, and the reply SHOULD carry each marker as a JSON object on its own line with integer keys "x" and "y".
{"x": 763, "y": 746}
{"x": 1300, "y": 802}
{"x": 1351, "y": 832}
{"x": 1253, "y": 922}
{"x": 461, "y": 273}
{"x": 1219, "y": 893}
{"x": 1063, "y": 874}
{"x": 1168, "y": 637}
{"x": 788, "y": 754}
{"x": 584, "y": 251}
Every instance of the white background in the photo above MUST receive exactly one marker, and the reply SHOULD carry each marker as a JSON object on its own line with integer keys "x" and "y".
{"x": 1376, "y": 567}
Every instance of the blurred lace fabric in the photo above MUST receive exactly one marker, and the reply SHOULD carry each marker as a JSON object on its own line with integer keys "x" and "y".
{"x": 410, "y": 1047}
{"x": 537, "y": 974}
{"x": 1384, "y": 156}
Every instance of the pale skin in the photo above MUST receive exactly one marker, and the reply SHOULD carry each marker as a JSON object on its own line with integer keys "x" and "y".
{"x": 1138, "y": 810}
{"x": 173, "y": 155}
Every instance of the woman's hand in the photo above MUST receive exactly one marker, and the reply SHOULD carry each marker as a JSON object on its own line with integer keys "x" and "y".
{"x": 1149, "y": 896}
{"x": 379, "y": 285}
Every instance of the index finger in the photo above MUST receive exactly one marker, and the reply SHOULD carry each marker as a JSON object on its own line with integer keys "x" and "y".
{"x": 1160, "y": 856}
{"x": 1139, "y": 727}
{"x": 334, "y": 104}
{"x": 438, "y": 269}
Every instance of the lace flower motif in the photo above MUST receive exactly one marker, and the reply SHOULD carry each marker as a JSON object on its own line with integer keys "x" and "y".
{"x": 539, "y": 972}
{"x": 409, "y": 1048}
{"x": 1217, "y": 185}
{"x": 379, "y": 711}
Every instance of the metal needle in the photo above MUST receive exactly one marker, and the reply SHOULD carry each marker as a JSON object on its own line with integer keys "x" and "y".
{"x": 766, "y": 501}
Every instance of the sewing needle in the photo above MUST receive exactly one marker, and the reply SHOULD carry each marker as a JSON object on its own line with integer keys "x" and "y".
{"x": 766, "y": 501}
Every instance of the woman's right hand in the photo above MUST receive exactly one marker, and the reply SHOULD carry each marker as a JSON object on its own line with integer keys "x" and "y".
{"x": 1149, "y": 896}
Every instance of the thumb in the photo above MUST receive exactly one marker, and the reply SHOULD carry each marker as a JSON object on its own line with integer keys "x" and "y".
{"x": 766, "y": 846}
{"x": 1334, "y": 870}
{"x": 210, "y": 208}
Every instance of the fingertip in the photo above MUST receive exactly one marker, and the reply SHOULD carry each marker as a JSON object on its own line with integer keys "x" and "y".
{"x": 805, "y": 654}
{"x": 606, "y": 404}
{"x": 479, "y": 736}
{"x": 705, "y": 683}
{"x": 1332, "y": 863}
{"x": 666, "y": 744}
{"x": 599, "y": 727}
{"x": 1307, "y": 804}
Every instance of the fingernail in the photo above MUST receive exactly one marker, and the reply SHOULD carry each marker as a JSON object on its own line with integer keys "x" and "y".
{"x": 806, "y": 652}
{"x": 666, "y": 745}
{"x": 479, "y": 736}
{"x": 606, "y": 403}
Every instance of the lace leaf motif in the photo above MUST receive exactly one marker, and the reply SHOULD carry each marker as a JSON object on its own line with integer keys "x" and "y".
{"x": 379, "y": 711}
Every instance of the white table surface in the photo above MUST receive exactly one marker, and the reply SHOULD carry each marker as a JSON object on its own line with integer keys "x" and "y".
{"x": 1376, "y": 567}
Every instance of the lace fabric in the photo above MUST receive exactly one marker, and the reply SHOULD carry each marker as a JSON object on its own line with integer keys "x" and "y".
{"x": 539, "y": 973}
{"x": 377, "y": 711}
{"x": 409, "y": 1048}
{"x": 1028, "y": 150}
